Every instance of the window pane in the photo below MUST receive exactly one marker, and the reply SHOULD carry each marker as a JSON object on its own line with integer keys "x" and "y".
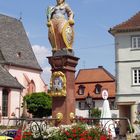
{"x": 136, "y": 76}
{"x": 139, "y": 42}
{"x": 93, "y": 104}
{"x": 5, "y": 103}
{"x": 136, "y": 42}
{"x": 133, "y": 42}
{"x": 82, "y": 105}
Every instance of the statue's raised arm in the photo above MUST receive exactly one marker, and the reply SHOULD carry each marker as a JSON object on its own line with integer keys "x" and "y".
{"x": 60, "y": 26}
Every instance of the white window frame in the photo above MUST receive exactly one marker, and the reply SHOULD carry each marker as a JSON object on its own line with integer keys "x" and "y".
{"x": 135, "y": 42}
{"x": 136, "y": 76}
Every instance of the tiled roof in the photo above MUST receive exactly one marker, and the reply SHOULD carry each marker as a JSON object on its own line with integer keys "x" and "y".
{"x": 90, "y": 77}
{"x": 132, "y": 24}
{"x": 7, "y": 80}
{"x": 15, "y": 48}
{"x": 93, "y": 75}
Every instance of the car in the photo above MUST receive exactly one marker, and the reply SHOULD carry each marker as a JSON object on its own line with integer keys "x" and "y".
{"x": 10, "y": 133}
{"x": 6, "y": 138}
{"x": 15, "y": 134}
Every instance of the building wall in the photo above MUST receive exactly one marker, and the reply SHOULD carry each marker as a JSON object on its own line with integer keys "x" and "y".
{"x": 14, "y": 104}
{"x": 34, "y": 75}
{"x": 23, "y": 76}
{"x": 126, "y": 59}
{"x": 99, "y": 104}
{"x": 123, "y": 47}
{"x": 128, "y": 95}
{"x": 80, "y": 113}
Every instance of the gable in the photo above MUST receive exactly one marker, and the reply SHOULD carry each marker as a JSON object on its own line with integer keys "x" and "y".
{"x": 14, "y": 41}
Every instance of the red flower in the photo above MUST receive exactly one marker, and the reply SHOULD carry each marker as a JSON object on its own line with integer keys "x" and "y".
{"x": 82, "y": 135}
{"x": 79, "y": 128}
{"x": 85, "y": 132}
{"x": 82, "y": 139}
{"x": 74, "y": 135}
{"x": 67, "y": 133}
{"x": 103, "y": 138}
{"x": 70, "y": 139}
{"x": 89, "y": 138}
{"x": 74, "y": 130}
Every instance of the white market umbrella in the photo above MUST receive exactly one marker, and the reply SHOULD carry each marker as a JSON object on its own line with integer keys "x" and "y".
{"x": 107, "y": 124}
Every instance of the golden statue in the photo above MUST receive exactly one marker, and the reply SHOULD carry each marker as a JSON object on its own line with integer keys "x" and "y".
{"x": 60, "y": 25}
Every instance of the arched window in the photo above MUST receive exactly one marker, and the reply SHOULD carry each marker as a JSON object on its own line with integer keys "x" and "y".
{"x": 5, "y": 93}
{"x": 97, "y": 89}
{"x": 32, "y": 87}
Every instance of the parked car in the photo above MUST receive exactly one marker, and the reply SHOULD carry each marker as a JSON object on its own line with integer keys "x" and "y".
{"x": 15, "y": 134}
{"x": 6, "y": 138}
{"x": 10, "y": 133}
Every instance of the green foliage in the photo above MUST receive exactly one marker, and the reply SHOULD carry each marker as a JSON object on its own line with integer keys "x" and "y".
{"x": 38, "y": 104}
{"x": 96, "y": 113}
{"x": 130, "y": 130}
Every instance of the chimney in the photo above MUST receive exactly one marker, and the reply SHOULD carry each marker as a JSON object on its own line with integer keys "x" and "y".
{"x": 100, "y": 67}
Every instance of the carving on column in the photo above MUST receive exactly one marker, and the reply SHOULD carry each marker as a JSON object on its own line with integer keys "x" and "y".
{"x": 59, "y": 116}
{"x": 72, "y": 116}
{"x": 58, "y": 84}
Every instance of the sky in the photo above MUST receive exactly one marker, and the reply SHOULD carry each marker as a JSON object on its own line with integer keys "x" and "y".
{"x": 93, "y": 18}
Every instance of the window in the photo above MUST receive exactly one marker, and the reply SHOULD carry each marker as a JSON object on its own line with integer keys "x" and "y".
{"x": 136, "y": 76}
{"x": 113, "y": 105}
{"x": 81, "y": 90}
{"x": 97, "y": 89}
{"x": 32, "y": 87}
{"x": 93, "y": 104}
{"x": 136, "y": 42}
{"x": 19, "y": 54}
{"x": 5, "y": 94}
{"x": 83, "y": 105}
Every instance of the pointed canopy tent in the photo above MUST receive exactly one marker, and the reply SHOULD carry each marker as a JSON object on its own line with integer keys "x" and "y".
{"x": 107, "y": 124}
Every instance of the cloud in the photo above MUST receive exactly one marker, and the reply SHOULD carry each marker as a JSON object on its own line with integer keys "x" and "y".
{"x": 41, "y": 52}
{"x": 46, "y": 75}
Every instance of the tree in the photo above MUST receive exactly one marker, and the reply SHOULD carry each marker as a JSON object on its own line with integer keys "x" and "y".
{"x": 39, "y": 104}
{"x": 96, "y": 113}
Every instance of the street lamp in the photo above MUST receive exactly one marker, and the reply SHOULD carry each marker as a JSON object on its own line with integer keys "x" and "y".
{"x": 89, "y": 102}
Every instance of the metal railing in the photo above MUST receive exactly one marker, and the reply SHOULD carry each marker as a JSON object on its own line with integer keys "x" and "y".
{"x": 37, "y": 126}
{"x": 92, "y": 121}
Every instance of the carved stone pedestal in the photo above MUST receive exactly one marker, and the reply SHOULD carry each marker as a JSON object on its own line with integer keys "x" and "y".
{"x": 63, "y": 103}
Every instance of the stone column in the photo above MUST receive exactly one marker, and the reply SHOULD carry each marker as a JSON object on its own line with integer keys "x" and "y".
{"x": 133, "y": 116}
{"x": 64, "y": 104}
